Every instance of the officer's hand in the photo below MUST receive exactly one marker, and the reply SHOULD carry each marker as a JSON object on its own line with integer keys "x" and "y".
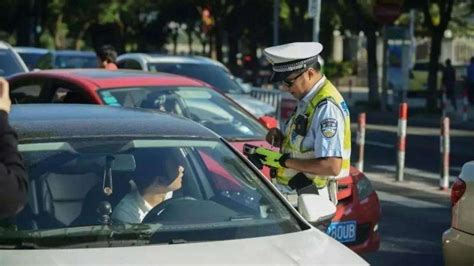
{"x": 274, "y": 137}
{"x": 272, "y": 158}
{"x": 5, "y": 103}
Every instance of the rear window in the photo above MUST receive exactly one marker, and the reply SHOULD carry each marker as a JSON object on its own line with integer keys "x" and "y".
{"x": 75, "y": 61}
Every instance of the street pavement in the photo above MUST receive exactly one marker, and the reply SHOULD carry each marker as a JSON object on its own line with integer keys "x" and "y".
{"x": 415, "y": 212}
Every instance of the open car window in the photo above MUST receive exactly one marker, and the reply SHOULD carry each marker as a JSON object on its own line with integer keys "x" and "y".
{"x": 76, "y": 187}
{"x": 200, "y": 104}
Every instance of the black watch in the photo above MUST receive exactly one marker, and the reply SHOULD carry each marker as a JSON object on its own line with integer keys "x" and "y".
{"x": 283, "y": 158}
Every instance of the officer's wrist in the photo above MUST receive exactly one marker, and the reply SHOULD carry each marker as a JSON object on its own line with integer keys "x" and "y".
{"x": 283, "y": 159}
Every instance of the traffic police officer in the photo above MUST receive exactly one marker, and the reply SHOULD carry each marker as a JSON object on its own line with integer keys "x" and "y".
{"x": 316, "y": 140}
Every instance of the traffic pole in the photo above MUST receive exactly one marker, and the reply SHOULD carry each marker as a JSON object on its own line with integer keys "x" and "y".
{"x": 444, "y": 150}
{"x": 465, "y": 106}
{"x": 444, "y": 103}
{"x": 361, "y": 141}
{"x": 402, "y": 132}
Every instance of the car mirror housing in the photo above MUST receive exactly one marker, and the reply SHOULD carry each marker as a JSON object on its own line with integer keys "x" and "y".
{"x": 268, "y": 122}
{"x": 315, "y": 209}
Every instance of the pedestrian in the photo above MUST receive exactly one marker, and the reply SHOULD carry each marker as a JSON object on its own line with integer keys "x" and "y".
{"x": 449, "y": 81}
{"x": 13, "y": 177}
{"x": 315, "y": 144}
{"x": 107, "y": 57}
{"x": 470, "y": 80}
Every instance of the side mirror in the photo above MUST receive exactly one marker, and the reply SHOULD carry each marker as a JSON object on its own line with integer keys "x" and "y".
{"x": 315, "y": 209}
{"x": 268, "y": 122}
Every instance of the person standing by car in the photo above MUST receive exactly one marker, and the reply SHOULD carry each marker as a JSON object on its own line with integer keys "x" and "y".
{"x": 150, "y": 190}
{"x": 449, "y": 81}
{"x": 470, "y": 80}
{"x": 13, "y": 177}
{"x": 107, "y": 57}
{"x": 316, "y": 140}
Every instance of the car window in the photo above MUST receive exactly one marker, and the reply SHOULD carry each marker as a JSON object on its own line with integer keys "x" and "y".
{"x": 30, "y": 59}
{"x": 211, "y": 74}
{"x": 9, "y": 64}
{"x": 64, "y": 92}
{"x": 130, "y": 64}
{"x": 28, "y": 91}
{"x": 45, "y": 62}
{"x": 200, "y": 104}
{"x": 75, "y": 61}
{"x": 80, "y": 188}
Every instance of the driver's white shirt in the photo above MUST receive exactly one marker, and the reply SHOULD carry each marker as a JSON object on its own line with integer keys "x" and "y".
{"x": 133, "y": 207}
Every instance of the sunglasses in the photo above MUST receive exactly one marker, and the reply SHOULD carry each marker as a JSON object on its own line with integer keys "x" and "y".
{"x": 289, "y": 82}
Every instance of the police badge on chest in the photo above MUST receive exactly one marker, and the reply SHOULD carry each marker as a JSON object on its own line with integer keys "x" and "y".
{"x": 329, "y": 127}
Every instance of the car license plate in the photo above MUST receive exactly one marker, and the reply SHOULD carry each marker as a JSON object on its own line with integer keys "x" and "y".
{"x": 343, "y": 231}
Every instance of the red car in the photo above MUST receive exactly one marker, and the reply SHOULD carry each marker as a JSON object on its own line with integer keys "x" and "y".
{"x": 358, "y": 211}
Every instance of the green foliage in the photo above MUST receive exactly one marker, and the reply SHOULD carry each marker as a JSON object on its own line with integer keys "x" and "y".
{"x": 337, "y": 69}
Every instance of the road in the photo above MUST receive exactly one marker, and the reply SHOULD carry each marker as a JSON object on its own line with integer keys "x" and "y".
{"x": 414, "y": 213}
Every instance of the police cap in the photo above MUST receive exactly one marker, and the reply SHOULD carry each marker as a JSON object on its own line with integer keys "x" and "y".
{"x": 291, "y": 57}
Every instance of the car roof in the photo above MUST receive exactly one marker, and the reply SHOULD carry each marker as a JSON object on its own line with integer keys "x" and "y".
{"x": 44, "y": 121}
{"x": 4, "y": 45}
{"x": 73, "y": 53}
{"x": 102, "y": 78}
{"x": 31, "y": 50}
{"x": 164, "y": 58}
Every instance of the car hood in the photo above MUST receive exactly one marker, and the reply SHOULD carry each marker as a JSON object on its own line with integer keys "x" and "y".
{"x": 254, "y": 106}
{"x": 306, "y": 247}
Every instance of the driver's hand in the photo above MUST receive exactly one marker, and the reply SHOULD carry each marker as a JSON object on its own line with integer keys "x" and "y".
{"x": 274, "y": 137}
{"x": 5, "y": 103}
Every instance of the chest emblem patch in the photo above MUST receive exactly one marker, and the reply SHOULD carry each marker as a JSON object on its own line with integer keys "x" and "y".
{"x": 329, "y": 127}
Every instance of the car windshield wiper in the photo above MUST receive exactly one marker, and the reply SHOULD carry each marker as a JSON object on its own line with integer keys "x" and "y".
{"x": 19, "y": 244}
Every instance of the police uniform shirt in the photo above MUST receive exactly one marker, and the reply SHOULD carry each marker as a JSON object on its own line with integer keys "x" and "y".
{"x": 326, "y": 134}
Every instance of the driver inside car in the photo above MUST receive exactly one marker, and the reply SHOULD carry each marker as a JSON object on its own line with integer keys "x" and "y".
{"x": 150, "y": 189}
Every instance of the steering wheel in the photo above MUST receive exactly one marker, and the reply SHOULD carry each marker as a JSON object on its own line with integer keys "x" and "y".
{"x": 153, "y": 215}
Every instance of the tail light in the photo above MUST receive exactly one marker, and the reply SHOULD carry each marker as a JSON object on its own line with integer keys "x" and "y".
{"x": 457, "y": 190}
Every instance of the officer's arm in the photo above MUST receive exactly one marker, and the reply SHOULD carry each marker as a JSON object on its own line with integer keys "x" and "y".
{"x": 319, "y": 166}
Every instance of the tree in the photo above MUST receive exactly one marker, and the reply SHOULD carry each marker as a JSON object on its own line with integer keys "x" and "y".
{"x": 361, "y": 10}
{"x": 437, "y": 16}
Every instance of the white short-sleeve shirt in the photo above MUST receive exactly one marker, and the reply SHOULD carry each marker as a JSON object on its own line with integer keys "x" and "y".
{"x": 326, "y": 133}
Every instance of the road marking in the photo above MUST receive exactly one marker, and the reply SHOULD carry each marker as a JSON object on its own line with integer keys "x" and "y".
{"x": 407, "y": 202}
{"x": 411, "y": 171}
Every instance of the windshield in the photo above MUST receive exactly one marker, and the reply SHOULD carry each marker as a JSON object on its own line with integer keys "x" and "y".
{"x": 9, "y": 64}
{"x": 115, "y": 192}
{"x": 200, "y": 104}
{"x": 211, "y": 74}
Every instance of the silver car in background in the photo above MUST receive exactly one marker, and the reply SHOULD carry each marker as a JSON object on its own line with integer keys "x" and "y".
{"x": 198, "y": 67}
{"x": 10, "y": 62}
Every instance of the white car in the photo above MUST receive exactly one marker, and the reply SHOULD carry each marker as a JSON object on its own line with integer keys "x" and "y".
{"x": 10, "y": 62}
{"x": 85, "y": 160}
{"x": 198, "y": 67}
{"x": 458, "y": 241}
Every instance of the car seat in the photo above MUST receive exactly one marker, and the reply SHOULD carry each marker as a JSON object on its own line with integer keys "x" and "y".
{"x": 62, "y": 194}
